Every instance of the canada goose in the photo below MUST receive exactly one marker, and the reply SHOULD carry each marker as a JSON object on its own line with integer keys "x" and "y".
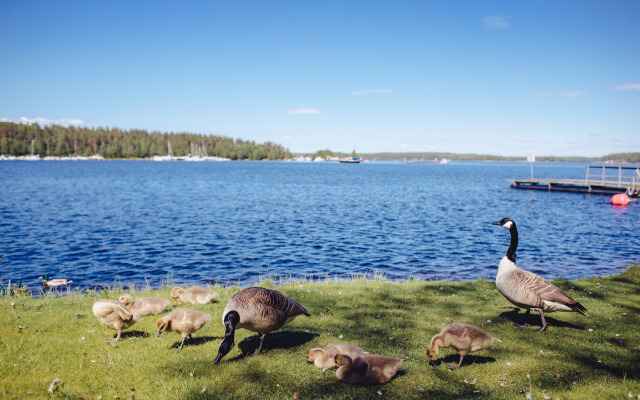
{"x": 463, "y": 337}
{"x": 526, "y": 289}
{"x": 367, "y": 368}
{"x": 52, "y": 283}
{"x": 325, "y": 358}
{"x": 144, "y": 305}
{"x": 183, "y": 320}
{"x": 194, "y": 295}
{"x": 114, "y": 316}
{"x": 259, "y": 310}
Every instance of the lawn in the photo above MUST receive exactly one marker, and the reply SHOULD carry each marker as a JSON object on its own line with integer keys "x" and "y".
{"x": 594, "y": 356}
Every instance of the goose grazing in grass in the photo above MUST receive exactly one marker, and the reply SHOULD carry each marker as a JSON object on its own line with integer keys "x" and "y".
{"x": 463, "y": 337}
{"x": 182, "y": 320}
{"x": 366, "y": 369}
{"x": 194, "y": 295}
{"x": 144, "y": 305}
{"x": 113, "y": 315}
{"x": 259, "y": 310}
{"x": 526, "y": 289}
{"x": 325, "y": 358}
{"x": 54, "y": 283}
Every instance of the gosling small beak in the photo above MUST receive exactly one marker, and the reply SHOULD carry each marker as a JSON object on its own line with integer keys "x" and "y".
{"x": 159, "y": 332}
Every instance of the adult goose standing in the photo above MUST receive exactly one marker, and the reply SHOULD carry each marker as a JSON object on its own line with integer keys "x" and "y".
{"x": 526, "y": 289}
{"x": 259, "y": 310}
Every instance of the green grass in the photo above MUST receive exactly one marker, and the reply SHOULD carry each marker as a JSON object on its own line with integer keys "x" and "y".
{"x": 592, "y": 356}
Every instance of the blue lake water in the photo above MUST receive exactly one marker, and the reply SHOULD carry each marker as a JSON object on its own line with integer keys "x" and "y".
{"x": 139, "y": 222}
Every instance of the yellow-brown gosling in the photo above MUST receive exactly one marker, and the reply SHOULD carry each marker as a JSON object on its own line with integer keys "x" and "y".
{"x": 463, "y": 337}
{"x": 194, "y": 295}
{"x": 54, "y": 283}
{"x": 526, "y": 289}
{"x": 113, "y": 315}
{"x": 144, "y": 305}
{"x": 325, "y": 358}
{"x": 366, "y": 369}
{"x": 182, "y": 320}
{"x": 259, "y": 310}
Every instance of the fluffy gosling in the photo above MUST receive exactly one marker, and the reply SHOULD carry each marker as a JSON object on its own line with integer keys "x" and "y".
{"x": 182, "y": 320}
{"x": 463, "y": 337}
{"x": 113, "y": 316}
{"x": 366, "y": 369}
{"x": 325, "y": 358}
{"x": 144, "y": 305}
{"x": 194, "y": 295}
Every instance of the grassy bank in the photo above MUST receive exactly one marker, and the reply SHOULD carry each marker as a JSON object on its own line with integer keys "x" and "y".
{"x": 592, "y": 356}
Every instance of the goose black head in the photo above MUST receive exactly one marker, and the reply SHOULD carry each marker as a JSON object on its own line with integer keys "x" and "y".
{"x": 230, "y": 321}
{"x": 505, "y": 223}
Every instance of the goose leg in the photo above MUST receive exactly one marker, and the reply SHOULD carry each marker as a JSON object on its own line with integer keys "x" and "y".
{"x": 261, "y": 343}
{"x": 544, "y": 323}
{"x": 454, "y": 367}
{"x": 526, "y": 318}
{"x": 182, "y": 343}
{"x": 111, "y": 342}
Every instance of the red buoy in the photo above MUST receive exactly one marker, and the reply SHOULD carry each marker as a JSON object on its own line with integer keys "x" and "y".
{"x": 620, "y": 199}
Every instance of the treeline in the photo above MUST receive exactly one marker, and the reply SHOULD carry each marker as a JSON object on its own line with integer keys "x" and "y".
{"x": 430, "y": 156}
{"x": 621, "y": 158}
{"x": 55, "y": 140}
{"x": 412, "y": 156}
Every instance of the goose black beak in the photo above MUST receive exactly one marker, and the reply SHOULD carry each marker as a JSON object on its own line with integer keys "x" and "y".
{"x": 496, "y": 223}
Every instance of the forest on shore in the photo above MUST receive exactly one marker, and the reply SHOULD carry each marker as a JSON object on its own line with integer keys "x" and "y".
{"x": 113, "y": 143}
{"x": 56, "y": 140}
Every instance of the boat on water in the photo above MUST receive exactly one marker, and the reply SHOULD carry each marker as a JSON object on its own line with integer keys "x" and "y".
{"x": 350, "y": 160}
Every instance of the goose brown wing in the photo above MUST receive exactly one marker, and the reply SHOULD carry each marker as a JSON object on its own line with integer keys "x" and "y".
{"x": 547, "y": 291}
{"x": 273, "y": 301}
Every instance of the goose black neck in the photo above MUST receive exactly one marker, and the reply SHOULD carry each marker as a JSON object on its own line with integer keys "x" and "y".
{"x": 513, "y": 245}
{"x": 230, "y": 321}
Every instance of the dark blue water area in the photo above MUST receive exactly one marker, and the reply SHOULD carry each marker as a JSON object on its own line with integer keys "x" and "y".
{"x": 146, "y": 223}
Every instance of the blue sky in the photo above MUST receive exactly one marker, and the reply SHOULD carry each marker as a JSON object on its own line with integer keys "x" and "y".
{"x": 492, "y": 77}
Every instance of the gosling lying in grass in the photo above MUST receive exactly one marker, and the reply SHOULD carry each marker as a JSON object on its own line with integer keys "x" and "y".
{"x": 463, "y": 337}
{"x": 113, "y": 315}
{"x": 325, "y": 358}
{"x": 366, "y": 369}
{"x": 194, "y": 295}
{"x": 182, "y": 320}
{"x": 144, "y": 305}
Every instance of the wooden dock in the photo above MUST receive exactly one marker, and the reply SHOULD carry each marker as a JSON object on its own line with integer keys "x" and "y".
{"x": 600, "y": 179}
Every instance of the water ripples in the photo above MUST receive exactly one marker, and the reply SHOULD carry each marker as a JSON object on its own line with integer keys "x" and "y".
{"x": 235, "y": 223}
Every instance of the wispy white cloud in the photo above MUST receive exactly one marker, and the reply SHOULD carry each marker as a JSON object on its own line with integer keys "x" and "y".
{"x": 45, "y": 121}
{"x": 568, "y": 93}
{"x": 627, "y": 86}
{"x": 496, "y": 21}
{"x": 304, "y": 110}
{"x": 361, "y": 92}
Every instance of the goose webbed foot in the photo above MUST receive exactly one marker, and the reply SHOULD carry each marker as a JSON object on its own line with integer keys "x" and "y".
{"x": 455, "y": 367}
{"x": 544, "y": 322}
{"x": 521, "y": 325}
{"x": 262, "y": 336}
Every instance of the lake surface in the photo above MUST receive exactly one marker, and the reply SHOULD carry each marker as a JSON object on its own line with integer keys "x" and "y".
{"x": 139, "y": 222}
